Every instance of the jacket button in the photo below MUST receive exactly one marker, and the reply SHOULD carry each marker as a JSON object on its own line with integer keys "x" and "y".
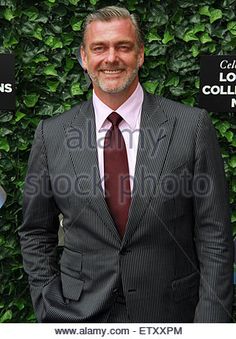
{"x": 124, "y": 251}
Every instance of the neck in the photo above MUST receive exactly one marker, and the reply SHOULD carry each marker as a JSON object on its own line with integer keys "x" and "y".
{"x": 115, "y": 100}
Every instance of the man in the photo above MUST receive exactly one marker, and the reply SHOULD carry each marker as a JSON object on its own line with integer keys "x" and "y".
{"x": 140, "y": 183}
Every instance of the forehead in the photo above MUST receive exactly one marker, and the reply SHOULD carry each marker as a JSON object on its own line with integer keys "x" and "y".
{"x": 114, "y": 30}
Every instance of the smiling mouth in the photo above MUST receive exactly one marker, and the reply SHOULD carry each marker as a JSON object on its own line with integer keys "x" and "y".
{"x": 114, "y": 71}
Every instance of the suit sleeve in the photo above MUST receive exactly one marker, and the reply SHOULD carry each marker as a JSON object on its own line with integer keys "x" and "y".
{"x": 213, "y": 233}
{"x": 39, "y": 231}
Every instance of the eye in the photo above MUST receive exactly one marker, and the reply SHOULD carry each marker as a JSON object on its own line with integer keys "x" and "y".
{"x": 124, "y": 48}
{"x": 98, "y": 49}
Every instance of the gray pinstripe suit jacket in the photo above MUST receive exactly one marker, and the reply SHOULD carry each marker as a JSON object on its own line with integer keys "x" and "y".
{"x": 175, "y": 260}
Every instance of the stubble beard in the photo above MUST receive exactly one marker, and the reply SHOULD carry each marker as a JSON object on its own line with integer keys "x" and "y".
{"x": 105, "y": 87}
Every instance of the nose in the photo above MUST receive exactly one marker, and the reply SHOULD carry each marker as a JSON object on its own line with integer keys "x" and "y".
{"x": 111, "y": 55}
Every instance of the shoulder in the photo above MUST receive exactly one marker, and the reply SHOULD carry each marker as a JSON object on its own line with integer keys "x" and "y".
{"x": 67, "y": 117}
{"x": 53, "y": 128}
{"x": 174, "y": 109}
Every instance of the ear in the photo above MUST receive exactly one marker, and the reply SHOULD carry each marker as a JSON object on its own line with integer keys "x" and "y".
{"x": 83, "y": 57}
{"x": 141, "y": 56}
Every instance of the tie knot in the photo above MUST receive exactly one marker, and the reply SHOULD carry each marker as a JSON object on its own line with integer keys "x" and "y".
{"x": 115, "y": 118}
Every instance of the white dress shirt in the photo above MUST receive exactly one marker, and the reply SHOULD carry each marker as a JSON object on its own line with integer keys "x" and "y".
{"x": 130, "y": 111}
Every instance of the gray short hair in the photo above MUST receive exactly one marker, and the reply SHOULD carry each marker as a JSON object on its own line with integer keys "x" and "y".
{"x": 113, "y": 12}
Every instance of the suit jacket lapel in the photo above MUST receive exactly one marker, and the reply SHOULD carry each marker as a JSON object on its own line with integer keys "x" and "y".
{"x": 155, "y": 134}
{"x": 83, "y": 154}
{"x": 154, "y": 139}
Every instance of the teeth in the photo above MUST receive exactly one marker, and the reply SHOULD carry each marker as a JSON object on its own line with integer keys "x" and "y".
{"x": 112, "y": 71}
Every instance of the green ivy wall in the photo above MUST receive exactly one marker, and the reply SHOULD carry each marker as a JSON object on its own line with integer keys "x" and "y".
{"x": 44, "y": 36}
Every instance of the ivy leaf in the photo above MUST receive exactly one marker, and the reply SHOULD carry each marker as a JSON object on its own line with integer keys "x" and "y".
{"x": 234, "y": 142}
{"x": 59, "y": 109}
{"x": 46, "y": 109}
{"x": 10, "y": 40}
{"x": 204, "y": 11}
{"x": 150, "y": 86}
{"x": 67, "y": 106}
{"x": 198, "y": 28}
{"x": 205, "y": 37}
{"x": 189, "y": 36}
{"x": 215, "y": 14}
{"x": 22, "y": 144}
{"x": 5, "y": 131}
{"x": 76, "y": 89}
{"x": 232, "y": 161}
{"x": 30, "y": 100}
{"x": 31, "y": 318}
{"x": 212, "y": 13}
{"x": 74, "y": 2}
{"x": 50, "y": 70}
{"x": 189, "y": 101}
{"x": 32, "y": 13}
{"x": 232, "y": 27}
{"x": 212, "y": 48}
{"x": 229, "y": 136}
{"x": 67, "y": 38}
{"x": 8, "y": 14}
{"x": 52, "y": 86}
{"x": 69, "y": 64}
{"x": 177, "y": 91}
{"x": 195, "y": 51}
{"x": 158, "y": 15}
{"x": 153, "y": 37}
{"x": 76, "y": 24}
{"x": 174, "y": 81}
{"x": 4, "y": 145}
{"x": 222, "y": 127}
{"x": 19, "y": 304}
{"x": 185, "y": 3}
{"x": 41, "y": 18}
{"x": 19, "y": 116}
{"x": 93, "y": 2}
{"x": 167, "y": 37}
{"x": 40, "y": 58}
{"x": 56, "y": 28}
{"x": 155, "y": 49}
{"x": 28, "y": 27}
{"x": 6, "y": 316}
{"x": 37, "y": 33}
{"x": 197, "y": 83}
{"x": 6, "y": 117}
{"x": 53, "y": 42}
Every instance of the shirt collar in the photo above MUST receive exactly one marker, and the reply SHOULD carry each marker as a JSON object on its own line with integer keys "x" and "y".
{"x": 129, "y": 110}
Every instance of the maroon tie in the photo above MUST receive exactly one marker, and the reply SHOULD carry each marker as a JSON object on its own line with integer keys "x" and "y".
{"x": 116, "y": 171}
